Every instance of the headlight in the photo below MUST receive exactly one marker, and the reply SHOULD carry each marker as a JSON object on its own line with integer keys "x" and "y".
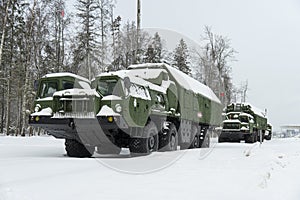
{"x": 37, "y": 108}
{"x": 110, "y": 119}
{"x": 118, "y": 108}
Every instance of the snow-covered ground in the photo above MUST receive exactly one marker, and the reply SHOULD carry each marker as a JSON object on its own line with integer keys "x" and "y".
{"x": 35, "y": 168}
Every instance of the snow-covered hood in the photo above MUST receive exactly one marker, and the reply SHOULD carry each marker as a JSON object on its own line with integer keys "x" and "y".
{"x": 44, "y": 112}
{"x": 107, "y": 111}
{"x": 232, "y": 121}
{"x": 76, "y": 92}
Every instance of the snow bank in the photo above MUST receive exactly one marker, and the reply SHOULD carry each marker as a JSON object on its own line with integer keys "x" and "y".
{"x": 229, "y": 171}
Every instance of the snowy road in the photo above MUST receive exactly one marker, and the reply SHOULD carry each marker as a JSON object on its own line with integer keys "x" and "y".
{"x": 36, "y": 168}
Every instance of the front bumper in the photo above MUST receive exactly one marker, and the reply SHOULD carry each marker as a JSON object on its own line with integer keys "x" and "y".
{"x": 233, "y": 135}
{"x": 59, "y": 128}
{"x": 85, "y": 130}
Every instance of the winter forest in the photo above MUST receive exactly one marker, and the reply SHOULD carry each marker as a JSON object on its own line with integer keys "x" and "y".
{"x": 43, "y": 36}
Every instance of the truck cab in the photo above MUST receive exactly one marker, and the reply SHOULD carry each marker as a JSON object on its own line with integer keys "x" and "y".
{"x": 243, "y": 122}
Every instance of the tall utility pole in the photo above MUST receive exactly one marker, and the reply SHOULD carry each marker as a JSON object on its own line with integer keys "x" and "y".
{"x": 138, "y": 27}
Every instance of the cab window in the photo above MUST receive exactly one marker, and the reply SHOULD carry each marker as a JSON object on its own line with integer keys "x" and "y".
{"x": 67, "y": 85}
{"x": 106, "y": 87}
{"x": 48, "y": 89}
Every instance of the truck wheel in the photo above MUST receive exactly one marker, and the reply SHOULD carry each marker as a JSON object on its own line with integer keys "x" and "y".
{"x": 108, "y": 149}
{"x": 268, "y": 137}
{"x": 77, "y": 149}
{"x": 195, "y": 142}
{"x": 250, "y": 138}
{"x": 148, "y": 144}
{"x": 206, "y": 141}
{"x": 170, "y": 141}
{"x": 221, "y": 139}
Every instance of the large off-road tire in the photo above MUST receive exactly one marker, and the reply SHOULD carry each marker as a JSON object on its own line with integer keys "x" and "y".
{"x": 268, "y": 137}
{"x": 251, "y": 138}
{"x": 195, "y": 143}
{"x": 220, "y": 140}
{"x": 169, "y": 142}
{"x": 206, "y": 142}
{"x": 77, "y": 149}
{"x": 146, "y": 144}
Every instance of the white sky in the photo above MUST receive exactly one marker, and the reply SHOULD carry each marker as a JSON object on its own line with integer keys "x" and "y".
{"x": 264, "y": 32}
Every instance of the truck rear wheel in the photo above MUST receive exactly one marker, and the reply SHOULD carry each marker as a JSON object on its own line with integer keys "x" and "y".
{"x": 195, "y": 142}
{"x": 251, "y": 138}
{"x": 268, "y": 137}
{"x": 77, "y": 149}
{"x": 149, "y": 143}
{"x": 206, "y": 141}
{"x": 169, "y": 142}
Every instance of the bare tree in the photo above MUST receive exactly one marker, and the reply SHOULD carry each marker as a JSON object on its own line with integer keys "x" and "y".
{"x": 214, "y": 61}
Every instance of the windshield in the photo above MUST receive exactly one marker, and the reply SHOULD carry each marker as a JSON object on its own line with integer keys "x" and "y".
{"x": 244, "y": 119}
{"x": 48, "y": 88}
{"x": 106, "y": 87}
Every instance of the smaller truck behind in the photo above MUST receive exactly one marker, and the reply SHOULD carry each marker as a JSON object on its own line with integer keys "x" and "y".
{"x": 244, "y": 122}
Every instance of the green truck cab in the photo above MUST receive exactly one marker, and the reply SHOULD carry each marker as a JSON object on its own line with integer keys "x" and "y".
{"x": 243, "y": 122}
{"x": 54, "y": 104}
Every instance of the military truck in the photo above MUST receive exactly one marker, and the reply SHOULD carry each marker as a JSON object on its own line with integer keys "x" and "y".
{"x": 243, "y": 122}
{"x": 146, "y": 108}
{"x": 156, "y": 107}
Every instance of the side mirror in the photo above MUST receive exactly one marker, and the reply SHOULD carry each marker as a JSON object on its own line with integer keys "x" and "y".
{"x": 127, "y": 83}
{"x": 36, "y": 85}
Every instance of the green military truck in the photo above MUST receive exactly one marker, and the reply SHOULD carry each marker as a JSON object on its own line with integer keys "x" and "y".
{"x": 146, "y": 108}
{"x": 156, "y": 107}
{"x": 243, "y": 122}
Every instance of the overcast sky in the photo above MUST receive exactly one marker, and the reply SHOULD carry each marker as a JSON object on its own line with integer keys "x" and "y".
{"x": 264, "y": 32}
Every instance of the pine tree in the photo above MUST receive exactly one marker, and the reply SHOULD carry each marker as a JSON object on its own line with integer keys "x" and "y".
{"x": 117, "y": 61}
{"x": 154, "y": 51}
{"x": 106, "y": 11}
{"x": 181, "y": 55}
{"x": 86, "y": 54}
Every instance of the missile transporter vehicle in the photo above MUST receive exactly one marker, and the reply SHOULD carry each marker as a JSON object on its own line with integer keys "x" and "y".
{"x": 147, "y": 108}
{"x": 243, "y": 122}
{"x": 156, "y": 107}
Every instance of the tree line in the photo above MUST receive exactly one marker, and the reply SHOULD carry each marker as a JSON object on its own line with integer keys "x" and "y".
{"x": 44, "y": 36}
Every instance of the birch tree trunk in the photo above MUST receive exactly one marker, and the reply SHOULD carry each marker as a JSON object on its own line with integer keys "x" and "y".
{"x": 27, "y": 71}
{"x": 3, "y": 31}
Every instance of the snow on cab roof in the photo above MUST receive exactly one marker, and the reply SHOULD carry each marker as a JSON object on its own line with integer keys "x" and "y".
{"x": 183, "y": 79}
{"x": 62, "y": 74}
{"x": 139, "y": 76}
{"x": 256, "y": 111}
